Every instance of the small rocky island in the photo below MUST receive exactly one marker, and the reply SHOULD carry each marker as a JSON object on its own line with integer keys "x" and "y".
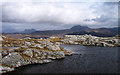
{"x": 19, "y": 52}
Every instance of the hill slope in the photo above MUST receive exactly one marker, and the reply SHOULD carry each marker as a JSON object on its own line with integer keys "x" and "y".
{"x": 79, "y": 30}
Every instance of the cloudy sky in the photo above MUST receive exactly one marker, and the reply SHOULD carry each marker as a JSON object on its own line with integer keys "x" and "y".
{"x": 58, "y": 15}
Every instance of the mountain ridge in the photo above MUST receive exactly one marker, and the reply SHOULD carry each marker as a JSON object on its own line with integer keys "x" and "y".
{"x": 79, "y": 30}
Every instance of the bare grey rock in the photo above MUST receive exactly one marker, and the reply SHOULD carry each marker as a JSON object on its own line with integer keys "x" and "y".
{"x": 90, "y": 40}
{"x": 13, "y": 59}
{"x": 28, "y": 53}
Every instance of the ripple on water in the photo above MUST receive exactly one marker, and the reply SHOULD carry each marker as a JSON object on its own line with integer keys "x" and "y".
{"x": 84, "y": 60}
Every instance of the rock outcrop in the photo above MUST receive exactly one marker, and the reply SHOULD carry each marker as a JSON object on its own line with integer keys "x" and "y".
{"x": 90, "y": 40}
{"x": 13, "y": 59}
{"x": 19, "y": 52}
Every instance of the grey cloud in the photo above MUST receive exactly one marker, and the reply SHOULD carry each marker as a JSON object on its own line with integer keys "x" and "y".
{"x": 101, "y": 19}
{"x": 60, "y": 15}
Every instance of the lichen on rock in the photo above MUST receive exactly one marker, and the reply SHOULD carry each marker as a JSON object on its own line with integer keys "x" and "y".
{"x": 19, "y": 52}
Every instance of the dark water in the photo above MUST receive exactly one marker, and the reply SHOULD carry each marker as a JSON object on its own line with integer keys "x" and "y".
{"x": 84, "y": 60}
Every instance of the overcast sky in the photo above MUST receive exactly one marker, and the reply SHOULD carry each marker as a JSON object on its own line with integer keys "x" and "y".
{"x": 58, "y": 15}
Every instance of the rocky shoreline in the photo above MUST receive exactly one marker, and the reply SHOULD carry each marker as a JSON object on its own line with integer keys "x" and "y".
{"x": 89, "y": 40}
{"x": 18, "y": 52}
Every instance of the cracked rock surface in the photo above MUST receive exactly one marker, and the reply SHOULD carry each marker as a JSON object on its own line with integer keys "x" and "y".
{"x": 19, "y": 52}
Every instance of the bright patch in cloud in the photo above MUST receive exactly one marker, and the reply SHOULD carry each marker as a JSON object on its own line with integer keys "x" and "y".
{"x": 57, "y": 15}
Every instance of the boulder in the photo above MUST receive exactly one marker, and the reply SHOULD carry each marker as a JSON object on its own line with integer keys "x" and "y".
{"x": 53, "y": 47}
{"x": 28, "y": 53}
{"x": 5, "y": 69}
{"x": 13, "y": 59}
{"x": 1, "y": 38}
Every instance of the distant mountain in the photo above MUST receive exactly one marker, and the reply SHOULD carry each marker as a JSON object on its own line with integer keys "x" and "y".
{"x": 52, "y": 32}
{"x": 28, "y": 31}
{"x": 75, "y": 30}
{"x": 80, "y": 30}
{"x": 62, "y": 32}
{"x": 101, "y": 32}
